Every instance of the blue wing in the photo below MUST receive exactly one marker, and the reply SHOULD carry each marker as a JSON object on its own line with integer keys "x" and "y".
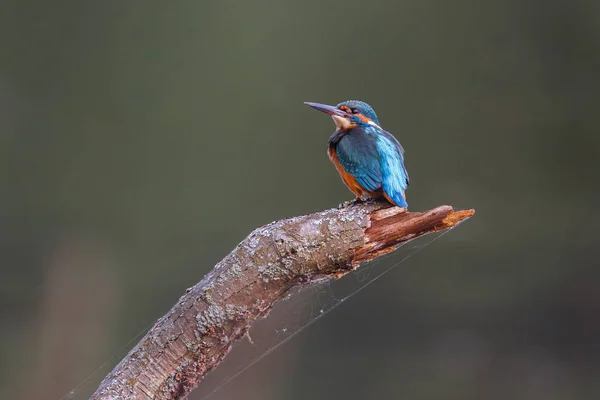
{"x": 394, "y": 175}
{"x": 376, "y": 159}
{"x": 359, "y": 156}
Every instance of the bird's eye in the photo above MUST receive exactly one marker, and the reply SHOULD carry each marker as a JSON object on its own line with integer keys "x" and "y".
{"x": 355, "y": 111}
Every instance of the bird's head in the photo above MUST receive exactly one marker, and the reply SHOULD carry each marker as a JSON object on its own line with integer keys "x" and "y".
{"x": 349, "y": 114}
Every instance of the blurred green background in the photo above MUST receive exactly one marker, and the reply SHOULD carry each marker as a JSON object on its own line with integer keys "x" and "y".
{"x": 141, "y": 141}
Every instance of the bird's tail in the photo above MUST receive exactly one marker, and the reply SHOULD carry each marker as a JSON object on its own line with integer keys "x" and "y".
{"x": 397, "y": 198}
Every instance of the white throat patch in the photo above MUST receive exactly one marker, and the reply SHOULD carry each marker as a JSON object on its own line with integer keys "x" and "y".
{"x": 341, "y": 122}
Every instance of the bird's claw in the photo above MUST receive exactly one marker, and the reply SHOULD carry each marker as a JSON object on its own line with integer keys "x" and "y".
{"x": 349, "y": 203}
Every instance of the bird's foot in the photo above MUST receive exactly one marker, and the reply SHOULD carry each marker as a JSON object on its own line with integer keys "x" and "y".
{"x": 349, "y": 203}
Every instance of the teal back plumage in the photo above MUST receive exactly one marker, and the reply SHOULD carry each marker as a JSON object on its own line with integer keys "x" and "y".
{"x": 376, "y": 160}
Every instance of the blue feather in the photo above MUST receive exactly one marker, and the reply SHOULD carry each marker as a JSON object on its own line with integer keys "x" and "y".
{"x": 364, "y": 108}
{"x": 375, "y": 158}
{"x": 359, "y": 156}
{"x": 395, "y": 178}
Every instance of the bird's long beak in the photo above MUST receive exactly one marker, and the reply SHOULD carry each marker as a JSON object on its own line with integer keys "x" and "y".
{"x": 331, "y": 110}
{"x": 339, "y": 117}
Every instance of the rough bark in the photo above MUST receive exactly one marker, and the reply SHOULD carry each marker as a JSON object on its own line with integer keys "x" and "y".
{"x": 198, "y": 332}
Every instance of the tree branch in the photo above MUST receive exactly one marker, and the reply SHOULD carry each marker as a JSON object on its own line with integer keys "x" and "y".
{"x": 196, "y": 334}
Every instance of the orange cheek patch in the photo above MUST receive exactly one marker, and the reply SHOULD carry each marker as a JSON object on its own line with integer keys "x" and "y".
{"x": 364, "y": 119}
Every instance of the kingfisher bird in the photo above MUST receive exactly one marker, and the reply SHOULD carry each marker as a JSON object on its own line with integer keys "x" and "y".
{"x": 369, "y": 159}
